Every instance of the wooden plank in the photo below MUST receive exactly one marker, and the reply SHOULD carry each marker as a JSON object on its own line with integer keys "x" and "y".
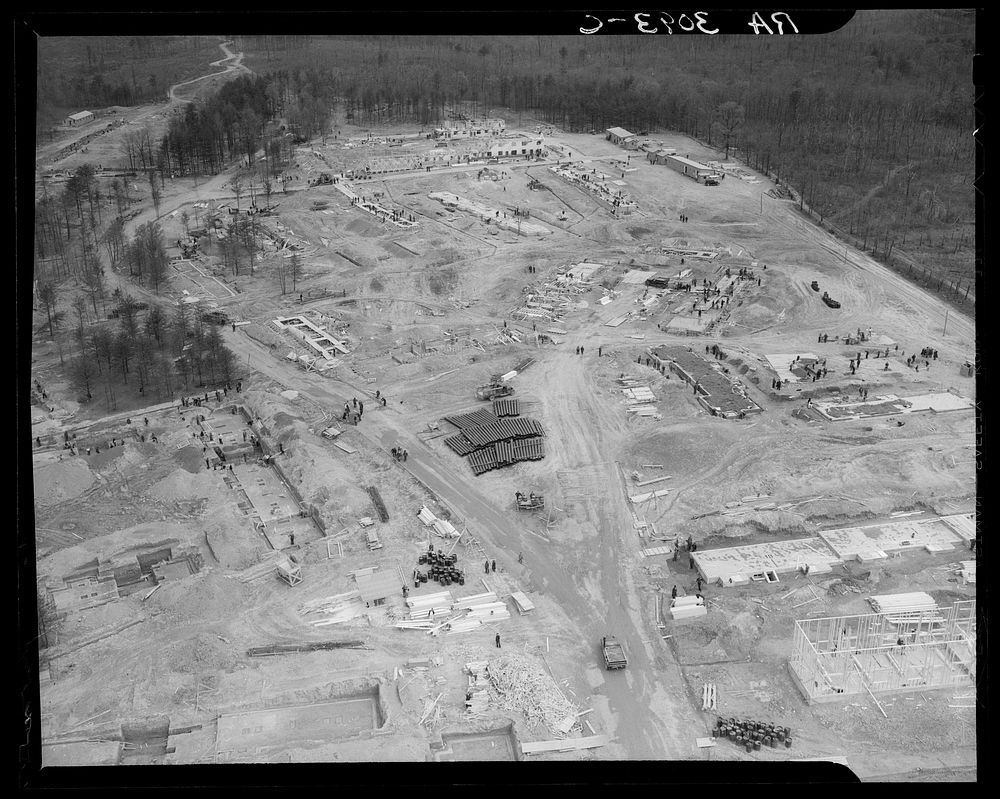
{"x": 570, "y": 744}
{"x": 655, "y": 480}
{"x": 345, "y": 447}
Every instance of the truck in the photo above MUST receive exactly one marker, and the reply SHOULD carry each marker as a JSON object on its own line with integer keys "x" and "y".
{"x": 531, "y": 501}
{"x": 496, "y": 388}
{"x": 830, "y": 301}
{"x": 815, "y": 285}
{"x": 614, "y": 653}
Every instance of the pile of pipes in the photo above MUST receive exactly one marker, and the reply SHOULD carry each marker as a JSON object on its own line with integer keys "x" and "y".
{"x": 752, "y": 734}
{"x": 338, "y": 609}
{"x": 523, "y": 686}
{"x": 477, "y": 697}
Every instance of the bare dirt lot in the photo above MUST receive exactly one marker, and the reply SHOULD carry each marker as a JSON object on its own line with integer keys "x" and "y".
{"x": 429, "y": 313}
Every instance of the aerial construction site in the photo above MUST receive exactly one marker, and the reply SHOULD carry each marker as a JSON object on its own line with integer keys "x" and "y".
{"x": 534, "y": 445}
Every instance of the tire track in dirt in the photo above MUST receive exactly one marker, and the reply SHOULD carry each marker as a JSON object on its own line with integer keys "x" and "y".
{"x": 584, "y": 426}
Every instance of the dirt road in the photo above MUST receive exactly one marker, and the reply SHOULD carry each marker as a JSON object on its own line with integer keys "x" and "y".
{"x": 581, "y": 577}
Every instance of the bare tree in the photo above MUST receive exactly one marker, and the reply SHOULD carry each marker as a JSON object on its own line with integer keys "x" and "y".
{"x": 728, "y": 118}
{"x": 237, "y": 186}
{"x": 48, "y": 297}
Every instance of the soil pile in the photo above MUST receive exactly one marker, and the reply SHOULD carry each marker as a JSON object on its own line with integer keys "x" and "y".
{"x": 61, "y": 481}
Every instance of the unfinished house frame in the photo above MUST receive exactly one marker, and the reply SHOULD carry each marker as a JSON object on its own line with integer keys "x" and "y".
{"x": 844, "y": 656}
{"x": 315, "y": 337}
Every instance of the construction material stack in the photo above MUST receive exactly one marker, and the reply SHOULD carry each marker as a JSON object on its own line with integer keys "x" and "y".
{"x": 687, "y": 607}
{"x": 753, "y": 735}
{"x": 442, "y": 569}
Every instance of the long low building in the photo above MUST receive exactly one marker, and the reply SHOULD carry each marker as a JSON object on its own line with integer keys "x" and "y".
{"x": 719, "y": 395}
{"x": 686, "y": 166}
{"x": 79, "y": 118}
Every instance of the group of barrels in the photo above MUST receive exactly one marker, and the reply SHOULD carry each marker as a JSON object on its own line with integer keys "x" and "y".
{"x": 442, "y": 569}
{"x": 753, "y": 734}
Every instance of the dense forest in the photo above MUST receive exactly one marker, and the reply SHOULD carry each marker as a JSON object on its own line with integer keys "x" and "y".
{"x": 92, "y": 72}
{"x": 870, "y": 123}
{"x": 108, "y": 341}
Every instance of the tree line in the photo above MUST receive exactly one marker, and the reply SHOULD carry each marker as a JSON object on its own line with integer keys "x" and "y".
{"x": 870, "y": 123}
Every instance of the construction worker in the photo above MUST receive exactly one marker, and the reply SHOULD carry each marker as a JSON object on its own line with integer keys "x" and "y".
{"x": 487, "y": 567}
{"x": 494, "y": 567}
{"x": 673, "y": 592}
{"x": 699, "y": 581}
{"x": 498, "y": 640}
{"x": 520, "y": 557}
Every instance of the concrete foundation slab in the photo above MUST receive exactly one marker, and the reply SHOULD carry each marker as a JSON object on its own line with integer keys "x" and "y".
{"x": 867, "y": 541}
{"x": 259, "y": 732}
{"x": 738, "y": 564}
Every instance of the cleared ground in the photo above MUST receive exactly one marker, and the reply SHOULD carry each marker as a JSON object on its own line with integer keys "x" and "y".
{"x": 422, "y": 312}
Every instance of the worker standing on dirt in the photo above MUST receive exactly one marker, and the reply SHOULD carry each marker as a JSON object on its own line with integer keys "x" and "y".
{"x": 699, "y": 581}
{"x": 494, "y": 567}
{"x": 487, "y": 567}
{"x": 498, "y": 640}
{"x": 673, "y": 592}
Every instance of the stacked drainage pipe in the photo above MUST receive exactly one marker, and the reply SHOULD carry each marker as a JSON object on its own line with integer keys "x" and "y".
{"x": 442, "y": 569}
{"x": 752, "y": 734}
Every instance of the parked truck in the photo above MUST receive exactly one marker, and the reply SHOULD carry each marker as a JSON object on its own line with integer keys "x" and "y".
{"x": 496, "y": 388}
{"x": 830, "y": 300}
{"x": 614, "y": 653}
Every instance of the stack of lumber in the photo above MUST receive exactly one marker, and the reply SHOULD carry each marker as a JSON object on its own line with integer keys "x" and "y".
{"x": 687, "y": 607}
{"x": 639, "y": 395}
{"x": 523, "y": 686}
{"x": 376, "y": 498}
{"x": 904, "y": 606}
{"x": 335, "y": 609}
{"x": 475, "y": 599}
{"x": 445, "y": 529}
{"x": 708, "y": 697}
{"x": 461, "y": 625}
{"x": 524, "y": 605}
{"x": 373, "y": 542}
{"x": 968, "y": 572}
{"x": 421, "y": 606}
{"x": 426, "y": 516}
{"x": 637, "y": 498}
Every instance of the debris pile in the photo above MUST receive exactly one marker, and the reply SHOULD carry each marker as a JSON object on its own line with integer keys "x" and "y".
{"x": 523, "y": 686}
{"x": 338, "y": 609}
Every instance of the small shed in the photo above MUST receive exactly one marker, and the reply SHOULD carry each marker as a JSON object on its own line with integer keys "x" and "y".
{"x": 79, "y": 118}
{"x": 375, "y": 588}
